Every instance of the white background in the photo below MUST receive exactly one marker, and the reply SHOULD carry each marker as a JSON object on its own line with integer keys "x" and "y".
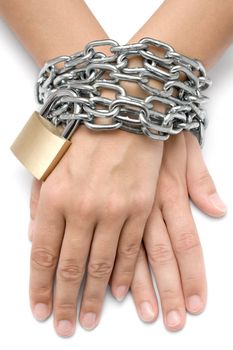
{"x": 119, "y": 326}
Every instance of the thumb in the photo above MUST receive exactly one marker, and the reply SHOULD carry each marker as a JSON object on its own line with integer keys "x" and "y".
{"x": 201, "y": 187}
{"x": 34, "y": 199}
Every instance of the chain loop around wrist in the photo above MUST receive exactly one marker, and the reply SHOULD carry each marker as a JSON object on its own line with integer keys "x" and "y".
{"x": 81, "y": 74}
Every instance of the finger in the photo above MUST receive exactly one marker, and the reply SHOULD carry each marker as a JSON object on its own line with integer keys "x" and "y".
{"x": 165, "y": 269}
{"x": 187, "y": 248}
{"x": 201, "y": 186}
{"x": 49, "y": 228}
{"x": 127, "y": 253}
{"x": 34, "y": 199}
{"x": 70, "y": 272}
{"x": 143, "y": 290}
{"x": 101, "y": 261}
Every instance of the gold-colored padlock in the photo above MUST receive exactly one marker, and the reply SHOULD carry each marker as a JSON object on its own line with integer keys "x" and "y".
{"x": 39, "y": 146}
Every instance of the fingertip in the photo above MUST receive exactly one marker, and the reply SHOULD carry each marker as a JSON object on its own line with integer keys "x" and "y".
{"x": 207, "y": 204}
{"x": 147, "y": 312}
{"x": 88, "y": 320}
{"x": 195, "y": 305}
{"x": 175, "y": 320}
{"x": 218, "y": 204}
{"x": 41, "y": 311}
{"x": 120, "y": 292}
{"x": 65, "y": 328}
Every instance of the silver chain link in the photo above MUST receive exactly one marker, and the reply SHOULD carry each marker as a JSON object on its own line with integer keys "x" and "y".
{"x": 69, "y": 93}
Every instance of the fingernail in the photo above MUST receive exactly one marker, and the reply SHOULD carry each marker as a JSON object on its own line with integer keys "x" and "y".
{"x": 65, "y": 328}
{"x": 173, "y": 318}
{"x": 194, "y": 303}
{"x": 89, "y": 320}
{"x": 41, "y": 311}
{"x": 217, "y": 202}
{"x": 121, "y": 293}
{"x": 147, "y": 313}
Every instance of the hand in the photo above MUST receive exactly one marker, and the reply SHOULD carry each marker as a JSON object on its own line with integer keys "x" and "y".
{"x": 170, "y": 238}
{"x": 100, "y": 196}
{"x": 199, "y": 185}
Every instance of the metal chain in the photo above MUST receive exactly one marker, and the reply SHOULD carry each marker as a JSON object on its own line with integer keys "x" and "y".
{"x": 69, "y": 87}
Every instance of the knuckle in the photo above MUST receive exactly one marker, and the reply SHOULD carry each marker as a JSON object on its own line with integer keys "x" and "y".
{"x": 85, "y": 206}
{"x": 64, "y": 307}
{"x": 69, "y": 271}
{"x": 51, "y": 194}
{"x": 160, "y": 253}
{"x": 115, "y": 207}
{"x": 203, "y": 179}
{"x": 44, "y": 258}
{"x": 169, "y": 294}
{"x": 99, "y": 269}
{"x": 193, "y": 280}
{"x": 141, "y": 255}
{"x": 142, "y": 202}
{"x": 92, "y": 299}
{"x": 42, "y": 292}
{"x": 129, "y": 250}
{"x": 186, "y": 242}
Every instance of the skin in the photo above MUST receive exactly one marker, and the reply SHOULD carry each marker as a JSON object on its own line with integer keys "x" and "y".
{"x": 171, "y": 240}
{"x": 174, "y": 238}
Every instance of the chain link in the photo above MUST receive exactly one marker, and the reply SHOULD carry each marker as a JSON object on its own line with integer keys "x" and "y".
{"x": 69, "y": 88}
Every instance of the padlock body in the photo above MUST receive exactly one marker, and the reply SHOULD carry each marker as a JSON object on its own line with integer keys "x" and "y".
{"x": 39, "y": 146}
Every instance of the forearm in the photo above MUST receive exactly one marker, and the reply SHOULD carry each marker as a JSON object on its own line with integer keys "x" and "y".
{"x": 50, "y": 28}
{"x": 196, "y": 28}
{"x": 203, "y": 29}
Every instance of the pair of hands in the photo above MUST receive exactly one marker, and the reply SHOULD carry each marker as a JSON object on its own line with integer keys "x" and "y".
{"x": 91, "y": 213}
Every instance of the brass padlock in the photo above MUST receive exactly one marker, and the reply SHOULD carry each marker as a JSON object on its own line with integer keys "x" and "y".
{"x": 39, "y": 146}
